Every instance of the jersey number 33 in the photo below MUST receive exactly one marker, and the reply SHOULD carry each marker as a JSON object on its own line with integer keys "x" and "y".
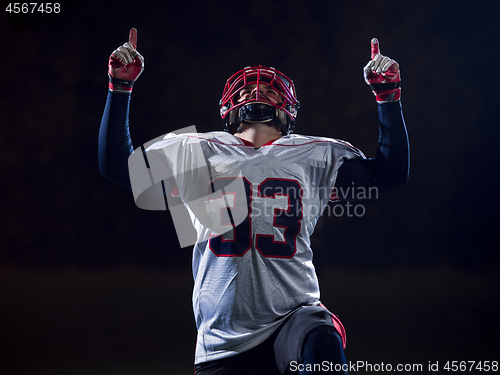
{"x": 239, "y": 240}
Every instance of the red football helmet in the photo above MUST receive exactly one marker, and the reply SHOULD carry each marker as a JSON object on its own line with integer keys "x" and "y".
{"x": 258, "y": 108}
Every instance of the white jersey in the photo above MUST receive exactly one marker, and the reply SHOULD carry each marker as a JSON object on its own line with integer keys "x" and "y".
{"x": 248, "y": 280}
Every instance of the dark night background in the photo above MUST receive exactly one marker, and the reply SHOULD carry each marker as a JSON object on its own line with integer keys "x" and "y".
{"x": 90, "y": 284}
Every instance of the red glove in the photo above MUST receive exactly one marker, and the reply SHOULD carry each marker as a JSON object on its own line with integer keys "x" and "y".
{"x": 125, "y": 65}
{"x": 383, "y": 76}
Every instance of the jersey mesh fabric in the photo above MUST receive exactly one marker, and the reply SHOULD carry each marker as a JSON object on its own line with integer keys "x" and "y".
{"x": 247, "y": 281}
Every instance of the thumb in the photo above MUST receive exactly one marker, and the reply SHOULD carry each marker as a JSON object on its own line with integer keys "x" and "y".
{"x": 132, "y": 37}
{"x": 375, "y": 47}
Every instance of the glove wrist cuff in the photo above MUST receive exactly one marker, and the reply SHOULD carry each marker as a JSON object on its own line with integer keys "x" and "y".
{"x": 120, "y": 85}
{"x": 386, "y": 92}
{"x": 376, "y": 87}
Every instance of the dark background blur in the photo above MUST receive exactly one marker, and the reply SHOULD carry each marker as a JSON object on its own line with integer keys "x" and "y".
{"x": 89, "y": 283}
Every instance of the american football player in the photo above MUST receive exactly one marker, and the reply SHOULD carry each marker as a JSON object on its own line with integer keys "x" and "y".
{"x": 256, "y": 297}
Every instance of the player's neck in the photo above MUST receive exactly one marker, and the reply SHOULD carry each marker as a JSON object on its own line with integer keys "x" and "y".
{"x": 259, "y": 134}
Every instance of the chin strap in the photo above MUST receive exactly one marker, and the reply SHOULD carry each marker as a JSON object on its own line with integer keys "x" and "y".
{"x": 258, "y": 112}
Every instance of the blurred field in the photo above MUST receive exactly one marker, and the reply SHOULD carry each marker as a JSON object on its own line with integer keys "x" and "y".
{"x": 139, "y": 321}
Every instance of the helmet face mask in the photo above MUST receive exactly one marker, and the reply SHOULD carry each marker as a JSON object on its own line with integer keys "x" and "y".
{"x": 258, "y": 107}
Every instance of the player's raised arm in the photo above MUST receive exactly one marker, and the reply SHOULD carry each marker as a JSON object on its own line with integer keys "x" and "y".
{"x": 390, "y": 167}
{"x": 125, "y": 65}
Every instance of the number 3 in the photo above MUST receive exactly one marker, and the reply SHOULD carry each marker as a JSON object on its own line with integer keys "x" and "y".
{"x": 238, "y": 242}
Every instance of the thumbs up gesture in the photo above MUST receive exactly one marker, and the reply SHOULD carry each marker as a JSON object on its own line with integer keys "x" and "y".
{"x": 383, "y": 75}
{"x": 125, "y": 65}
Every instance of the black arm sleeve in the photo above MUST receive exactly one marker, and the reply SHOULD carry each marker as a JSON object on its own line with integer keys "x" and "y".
{"x": 390, "y": 167}
{"x": 115, "y": 145}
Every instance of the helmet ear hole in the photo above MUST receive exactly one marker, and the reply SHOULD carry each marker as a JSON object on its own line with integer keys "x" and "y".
{"x": 232, "y": 116}
{"x": 282, "y": 116}
{"x": 232, "y": 121}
